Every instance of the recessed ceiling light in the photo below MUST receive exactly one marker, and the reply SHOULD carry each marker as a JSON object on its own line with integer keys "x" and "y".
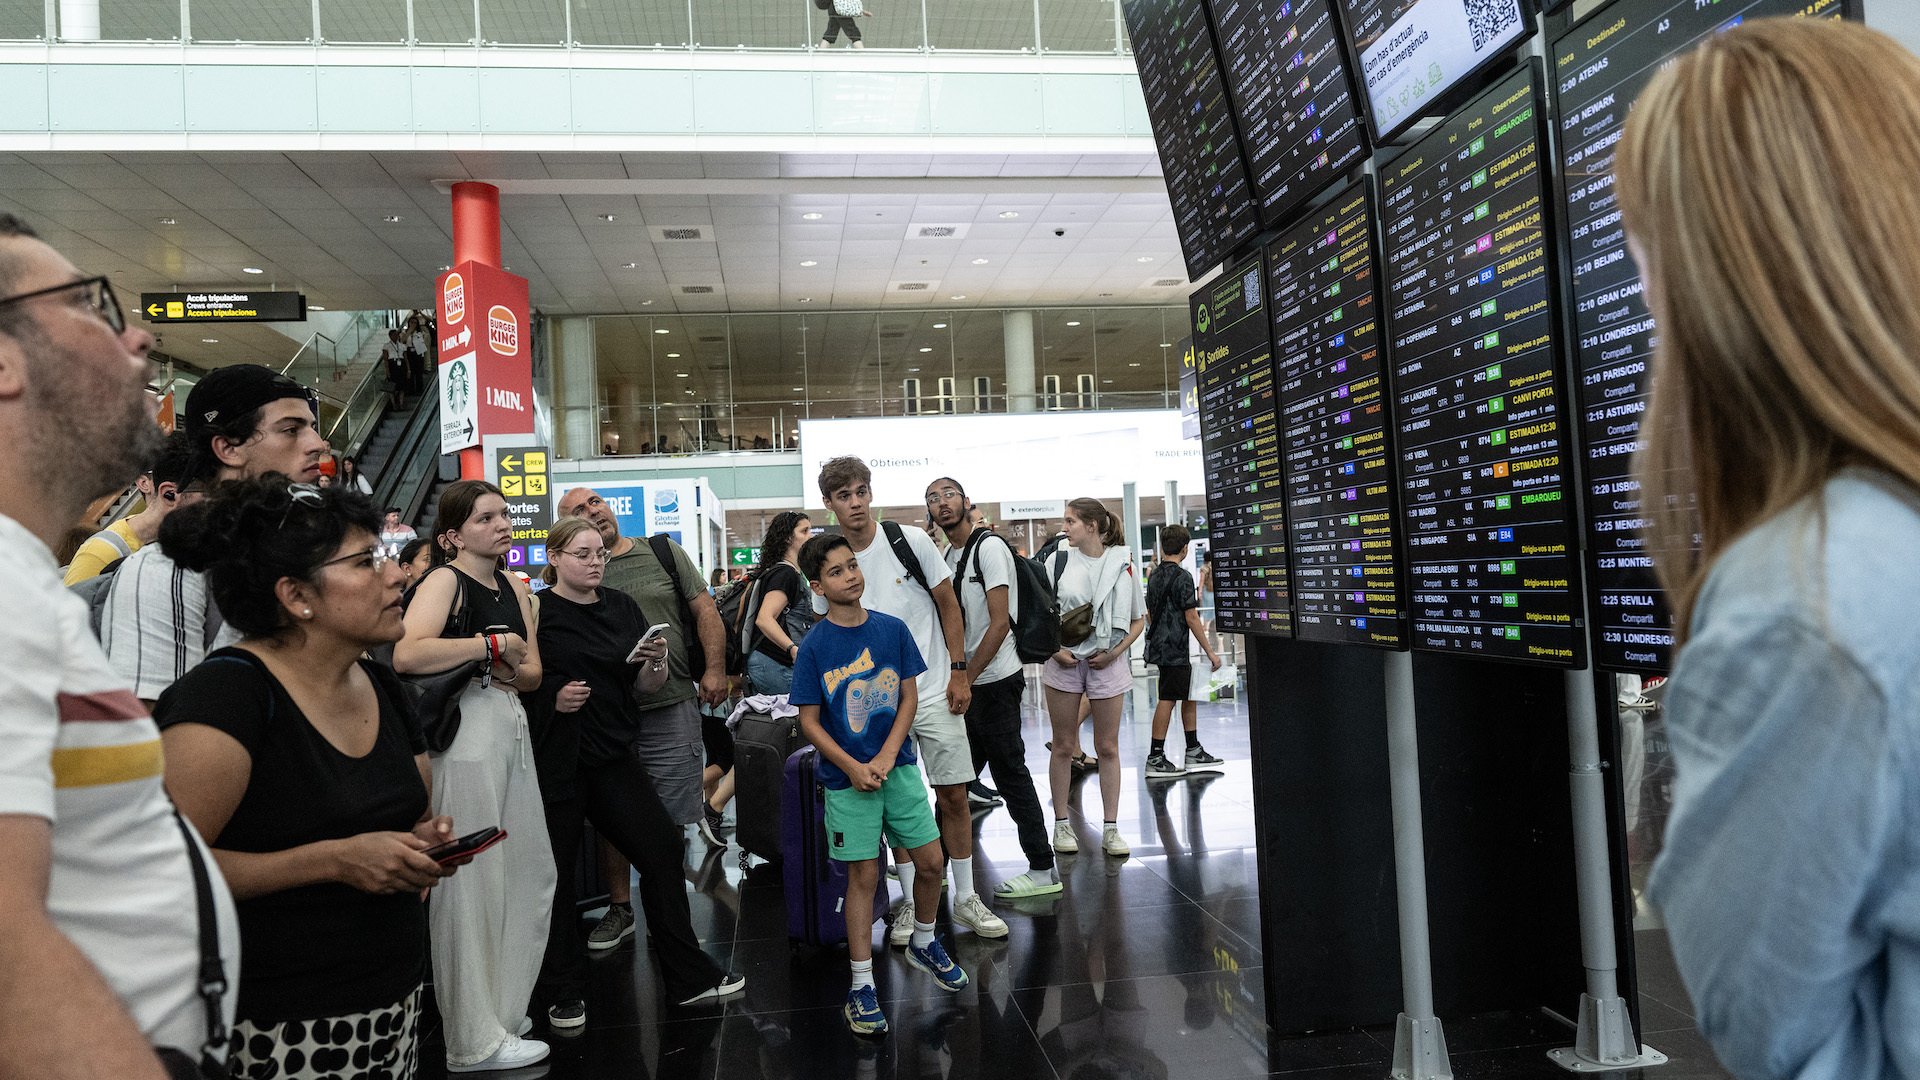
{"x": 926, "y": 348}
{"x": 210, "y": 340}
{"x": 1009, "y": 215}
{"x": 1106, "y": 380}
{"x": 1144, "y": 258}
{"x": 958, "y": 296}
{"x": 797, "y": 389}
{"x": 391, "y": 219}
{"x": 1076, "y": 322}
{"x": 663, "y": 330}
{"x": 806, "y": 299}
{"x": 632, "y": 266}
{"x": 939, "y": 326}
{"x": 674, "y": 356}
{"x": 1166, "y": 344}
{"x": 251, "y": 270}
{"x": 814, "y": 215}
{"x": 606, "y": 217}
{"x": 315, "y": 307}
{"x": 168, "y": 221}
{"x": 646, "y": 303}
{"x": 979, "y": 262}
{"x": 680, "y": 375}
{"x": 444, "y": 269}
{"x": 690, "y": 393}
{"x": 911, "y": 370}
{"x": 1135, "y": 363}
{"x": 809, "y": 262}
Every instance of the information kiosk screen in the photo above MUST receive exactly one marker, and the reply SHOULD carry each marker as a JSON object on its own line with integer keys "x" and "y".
{"x": 1599, "y": 67}
{"x": 1414, "y": 52}
{"x": 1213, "y": 204}
{"x": 1240, "y": 437}
{"x": 1292, "y": 94}
{"x": 1486, "y": 478}
{"x": 1343, "y": 528}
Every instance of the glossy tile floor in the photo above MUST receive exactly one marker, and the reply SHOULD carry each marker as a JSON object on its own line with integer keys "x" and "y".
{"x": 1147, "y": 967}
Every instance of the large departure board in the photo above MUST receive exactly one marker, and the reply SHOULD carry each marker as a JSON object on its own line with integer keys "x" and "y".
{"x": 1207, "y": 183}
{"x": 1414, "y": 54}
{"x": 1483, "y": 440}
{"x": 1292, "y": 95}
{"x": 1342, "y": 526}
{"x": 1240, "y": 440}
{"x": 1599, "y": 67}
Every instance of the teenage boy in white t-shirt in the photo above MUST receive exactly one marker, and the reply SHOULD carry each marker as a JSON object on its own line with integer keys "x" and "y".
{"x": 100, "y": 928}
{"x": 932, "y": 614}
{"x": 984, "y": 577}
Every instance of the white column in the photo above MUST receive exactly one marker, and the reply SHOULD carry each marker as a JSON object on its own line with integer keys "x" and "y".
{"x": 80, "y": 20}
{"x": 1017, "y": 331}
{"x": 576, "y": 388}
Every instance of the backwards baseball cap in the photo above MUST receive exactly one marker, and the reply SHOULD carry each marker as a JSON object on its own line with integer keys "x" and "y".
{"x": 225, "y": 394}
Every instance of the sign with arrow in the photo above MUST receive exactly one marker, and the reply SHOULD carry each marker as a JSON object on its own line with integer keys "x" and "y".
{"x": 211, "y": 307}
{"x": 521, "y": 472}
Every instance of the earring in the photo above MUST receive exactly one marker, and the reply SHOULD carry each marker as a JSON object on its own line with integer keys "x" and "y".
{"x": 306, "y": 613}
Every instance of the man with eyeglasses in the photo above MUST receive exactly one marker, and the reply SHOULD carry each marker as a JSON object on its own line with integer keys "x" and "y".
{"x": 100, "y": 932}
{"x": 670, "y": 724}
{"x": 243, "y": 421}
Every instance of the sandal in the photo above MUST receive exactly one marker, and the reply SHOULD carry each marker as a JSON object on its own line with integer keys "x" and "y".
{"x": 1082, "y": 762}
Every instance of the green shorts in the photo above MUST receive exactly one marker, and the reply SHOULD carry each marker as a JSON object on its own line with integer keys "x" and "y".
{"x": 855, "y": 818}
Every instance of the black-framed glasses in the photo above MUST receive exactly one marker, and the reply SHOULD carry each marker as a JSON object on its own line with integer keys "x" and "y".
{"x": 99, "y": 296}
{"x": 306, "y": 495}
{"x": 378, "y": 554}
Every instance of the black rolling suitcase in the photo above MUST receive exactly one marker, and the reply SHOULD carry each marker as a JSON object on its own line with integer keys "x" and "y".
{"x": 761, "y": 746}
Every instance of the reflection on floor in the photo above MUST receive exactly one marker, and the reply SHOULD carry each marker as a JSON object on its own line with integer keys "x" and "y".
{"x": 1147, "y": 967}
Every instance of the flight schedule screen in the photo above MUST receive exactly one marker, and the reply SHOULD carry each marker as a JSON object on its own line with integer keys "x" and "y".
{"x": 1292, "y": 96}
{"x": 1412, "y": 52}
{"x": 1240, "y": 440}
{"x": 1481, "y": 429}
{"x": 1599, "y": 68}
{"x": 1207, "y": 183}
{"x": 1342, "y": 526}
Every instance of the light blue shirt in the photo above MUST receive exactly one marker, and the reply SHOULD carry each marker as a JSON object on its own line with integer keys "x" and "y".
{"x": 1790, "y": 879}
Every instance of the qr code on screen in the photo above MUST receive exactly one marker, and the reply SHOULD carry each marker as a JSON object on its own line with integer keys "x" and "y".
{"x": 1488, "y": 19}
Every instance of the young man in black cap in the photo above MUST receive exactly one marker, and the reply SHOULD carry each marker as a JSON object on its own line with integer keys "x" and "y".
{"x": 244, "y": 421}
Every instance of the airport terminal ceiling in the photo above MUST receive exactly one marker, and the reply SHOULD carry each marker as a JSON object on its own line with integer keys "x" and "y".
{"x": 607, "y": 233}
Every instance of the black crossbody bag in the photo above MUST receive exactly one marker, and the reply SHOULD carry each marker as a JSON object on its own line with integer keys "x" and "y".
{"x": 213, "y": 978}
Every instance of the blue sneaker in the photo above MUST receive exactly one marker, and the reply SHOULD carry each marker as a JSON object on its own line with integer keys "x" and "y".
{"x": 933, "y": 960}
{"x": 863, "y": 1012}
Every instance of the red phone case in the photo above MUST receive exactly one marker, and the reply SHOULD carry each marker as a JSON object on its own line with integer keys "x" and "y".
{"x": 492, "y": 840}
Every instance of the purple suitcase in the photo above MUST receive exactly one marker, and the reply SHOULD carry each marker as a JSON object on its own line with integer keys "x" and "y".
{"x": 815, "y": 884}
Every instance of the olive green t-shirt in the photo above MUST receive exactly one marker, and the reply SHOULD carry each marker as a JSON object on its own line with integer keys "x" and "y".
{"x": 639, "y": 574}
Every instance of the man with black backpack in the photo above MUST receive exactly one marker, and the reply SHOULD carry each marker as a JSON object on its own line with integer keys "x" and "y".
{"x": 907, "y": 579}
{"x": 985, "y": 576}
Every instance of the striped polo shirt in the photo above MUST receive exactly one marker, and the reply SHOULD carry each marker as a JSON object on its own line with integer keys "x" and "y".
{"x": 78, "y": 749}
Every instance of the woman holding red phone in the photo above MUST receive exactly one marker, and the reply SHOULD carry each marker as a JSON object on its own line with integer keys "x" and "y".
{"x": 295, "y": 758}
{"x": 586, "y": 722}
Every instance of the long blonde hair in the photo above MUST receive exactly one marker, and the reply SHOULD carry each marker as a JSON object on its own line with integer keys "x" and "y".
{"x": 558, "y": 539}
{"x": 1770, "y": 180}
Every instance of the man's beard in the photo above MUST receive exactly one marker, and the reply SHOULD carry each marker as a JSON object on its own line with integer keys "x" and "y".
{"x": 89, "y": 439}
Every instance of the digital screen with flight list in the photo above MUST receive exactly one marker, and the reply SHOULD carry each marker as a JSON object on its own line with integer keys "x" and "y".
{"x": 1292, "y": 95}
{"x": 1213, "y": 205}
{"x": 1342, "y": 526}
{"x": 1599, "y": 68}
{"x": 1240, "y": 442}
{"x": 1482, "y": 434}
{"x": 1412, "y": 53}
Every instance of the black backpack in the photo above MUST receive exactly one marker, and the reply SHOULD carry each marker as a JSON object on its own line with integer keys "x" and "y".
{"x": 1036, "y": 631}
{"x": 736, "y": 599}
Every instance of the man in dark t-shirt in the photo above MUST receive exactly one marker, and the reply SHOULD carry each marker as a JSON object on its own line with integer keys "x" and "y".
{"x": 1173, "y": 612}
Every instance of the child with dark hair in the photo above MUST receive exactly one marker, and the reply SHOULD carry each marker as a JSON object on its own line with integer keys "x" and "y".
{"x": 299, "y": 762}
{"x": 853, "y": 680}
{"x": 1173, "y": 613}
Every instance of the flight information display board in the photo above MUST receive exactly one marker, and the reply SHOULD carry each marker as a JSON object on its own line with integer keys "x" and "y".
{"x": 1599, "y": 68}
{"x": 1207, "y": 182}
{"x": 1240, "y": 440}
{"x": 1415, "y": 53}
{"x": 1485, "y": 451}
{"x": 1292, "y": 94}
{"x": 1342, "y": 524}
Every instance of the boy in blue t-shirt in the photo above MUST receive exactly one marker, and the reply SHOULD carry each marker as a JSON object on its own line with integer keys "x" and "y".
{"x": 854, "y": 683}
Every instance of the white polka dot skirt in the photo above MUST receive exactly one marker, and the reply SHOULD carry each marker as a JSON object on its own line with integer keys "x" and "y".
{"x": 381, "y": 1044}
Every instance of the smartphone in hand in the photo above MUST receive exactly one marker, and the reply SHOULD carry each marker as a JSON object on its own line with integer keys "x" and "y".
{"x": 470, "y": 844}
{"x": 653, "y": 631}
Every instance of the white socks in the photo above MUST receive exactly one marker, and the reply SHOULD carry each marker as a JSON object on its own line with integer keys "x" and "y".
{"x": 903, "y": 872}
{"x": 922, "y": 934}
{"x": 962, "y": 880}
{"x": 862, "y": 973}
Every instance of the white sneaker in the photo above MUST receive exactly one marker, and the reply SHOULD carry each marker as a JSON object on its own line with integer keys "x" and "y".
{"x": 514, "y": 1053}
{"x": 1113, "y": 845}
{"x": 902, "y": 931}
{"x": 1064, "y": 841}
{"x": 974, "y": 914}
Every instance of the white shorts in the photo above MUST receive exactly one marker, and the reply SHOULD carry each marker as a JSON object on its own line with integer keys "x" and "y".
{"x": 946, "y": 757}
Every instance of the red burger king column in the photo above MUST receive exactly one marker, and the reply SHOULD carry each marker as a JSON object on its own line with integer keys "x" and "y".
{"x": 486, "y": 369}
{"x": 486, "y": 363}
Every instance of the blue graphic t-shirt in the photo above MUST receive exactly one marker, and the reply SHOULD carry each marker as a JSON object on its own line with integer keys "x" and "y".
{"x": 854, "y": 674}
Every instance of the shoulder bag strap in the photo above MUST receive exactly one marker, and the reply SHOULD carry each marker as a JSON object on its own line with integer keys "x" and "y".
{"x": 903, "y": 551}
{"x": 213, "y": 973}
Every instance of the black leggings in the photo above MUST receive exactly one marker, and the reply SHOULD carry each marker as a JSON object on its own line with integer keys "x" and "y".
{"x": 837, "y": 23}
{"x": 619, "y": 798}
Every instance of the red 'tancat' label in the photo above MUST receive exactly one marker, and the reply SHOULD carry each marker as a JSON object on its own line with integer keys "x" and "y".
{"x": 503, "y": 330}
{"x": 453, "y": 295}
